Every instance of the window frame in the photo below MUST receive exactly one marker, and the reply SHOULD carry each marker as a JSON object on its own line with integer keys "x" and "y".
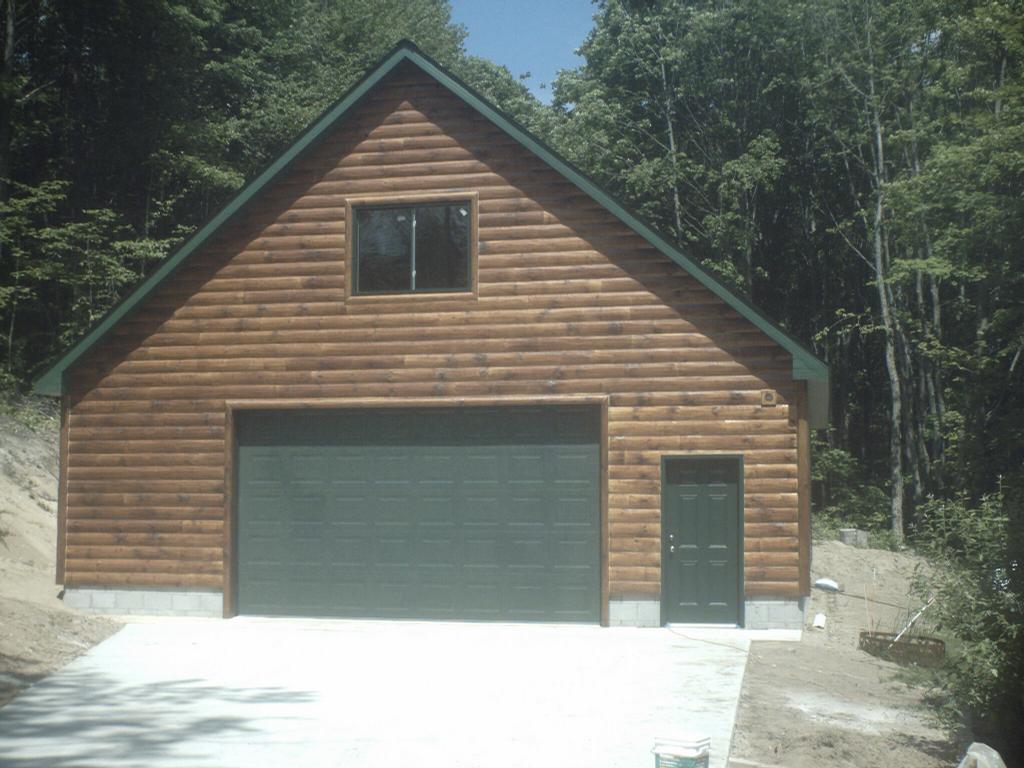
{"x": 352, "y": 295}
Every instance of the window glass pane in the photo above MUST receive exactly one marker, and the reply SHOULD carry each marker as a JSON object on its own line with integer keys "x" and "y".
{"x": 384, "y": 249}
{"x": 442, "y": 247}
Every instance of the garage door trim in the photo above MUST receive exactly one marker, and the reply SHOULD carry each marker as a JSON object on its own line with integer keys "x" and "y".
{"x": 231, "y": 454}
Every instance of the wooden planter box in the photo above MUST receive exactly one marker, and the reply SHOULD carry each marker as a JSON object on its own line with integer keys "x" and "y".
{"x": 920, "y": 650}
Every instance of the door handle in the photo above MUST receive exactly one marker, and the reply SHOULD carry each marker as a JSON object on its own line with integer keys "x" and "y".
{"x": 671, "y": 549}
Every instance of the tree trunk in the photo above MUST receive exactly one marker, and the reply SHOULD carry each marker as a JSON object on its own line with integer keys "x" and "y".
{"x": 930, "y": 378}
{"x": 923, "y": 404}
{"x": 6, "y": 96}
{"x": 895, "y": 389}
{"x": 6, "y": 135}
{"x": 999, "y": 87}
{"x": 677, "y": 208}
{"x": 748, "y": 205}
{"x": 935, "y": 380}
{"x": 10, "y": 339}
{"x": 912, "y": 450}
{"x": 878, "y": 247}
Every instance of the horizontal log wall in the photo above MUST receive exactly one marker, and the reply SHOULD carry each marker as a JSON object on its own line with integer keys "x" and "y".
{"x": 570, "y": 302}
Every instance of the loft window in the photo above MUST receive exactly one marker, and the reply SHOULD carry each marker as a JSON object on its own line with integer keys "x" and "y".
{"x": 420, "y": 248}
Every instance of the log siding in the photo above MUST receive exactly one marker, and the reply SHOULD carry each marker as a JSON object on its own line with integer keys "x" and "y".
{"x": 568, "y": 302}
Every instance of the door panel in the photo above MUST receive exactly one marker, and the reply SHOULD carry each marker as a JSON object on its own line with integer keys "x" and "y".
{"x": 701, "y": 540}
{"x": 473, "y": 513}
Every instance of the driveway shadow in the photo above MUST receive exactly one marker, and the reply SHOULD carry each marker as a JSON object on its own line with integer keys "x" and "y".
{"x": 84, "y": 718}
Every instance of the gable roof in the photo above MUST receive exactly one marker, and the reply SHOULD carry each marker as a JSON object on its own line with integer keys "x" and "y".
{"x": 805, "y": 365}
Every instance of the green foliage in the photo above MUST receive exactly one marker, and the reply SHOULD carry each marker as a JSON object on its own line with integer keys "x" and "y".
{"x": 39, "y": 414}
{"x": 84, "y": 264}
{"x": 850, "y": 499}
{"x": 980, "y": 600}
{"x": 499, "y": 86}
{"x": 686, "y": 102}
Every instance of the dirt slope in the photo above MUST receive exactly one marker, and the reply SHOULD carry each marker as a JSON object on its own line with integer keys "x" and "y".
{"x": 38, "y": 634}
{"x": 824, "y": 702}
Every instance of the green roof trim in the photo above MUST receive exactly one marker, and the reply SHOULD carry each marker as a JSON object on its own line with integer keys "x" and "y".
{"x": 805, "y": 365}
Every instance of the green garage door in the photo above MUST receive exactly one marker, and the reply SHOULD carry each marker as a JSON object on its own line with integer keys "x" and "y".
{"x": 470, "y": 513}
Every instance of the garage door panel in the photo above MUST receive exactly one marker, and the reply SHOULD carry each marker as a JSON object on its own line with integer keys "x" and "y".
{"x": 437, "y": 511}
{"x": 527, "y": 469}
{"x": 350, "y": 548}
{"x": 394, "y": 548}
{"x": 349, "y": 469}
{"x": 464, "y": 514}
{"x": 572, "y": 515}
{"x": 435, "y": 552}
{"x": 479, "y": 551}
{"x": 392, "y": 600}
{"x": 482, "y": 512}
{"x": 569, "y": 550}
{"x": 349, "y": 597}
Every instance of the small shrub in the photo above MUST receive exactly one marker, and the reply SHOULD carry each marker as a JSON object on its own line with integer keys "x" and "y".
{"x": 825, "y": 527}
{"x": 32, "y": 412}
{"x": 848, "y": 498}
{"x": 884, "y": 539}
{"x": 979, "y": 590}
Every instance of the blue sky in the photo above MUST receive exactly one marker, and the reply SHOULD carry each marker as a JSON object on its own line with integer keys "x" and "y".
{"x": 535, "y": 36}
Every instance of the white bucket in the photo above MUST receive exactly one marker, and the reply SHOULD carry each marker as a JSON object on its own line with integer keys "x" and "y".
{"x": 682, "y": 752}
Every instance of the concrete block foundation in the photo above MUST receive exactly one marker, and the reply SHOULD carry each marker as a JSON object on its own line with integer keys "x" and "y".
{"x": 145, "y": 602}
{"x": 774, "y": 613}
{"x": 634, "y": 613}
{"x": 760, "y": 613}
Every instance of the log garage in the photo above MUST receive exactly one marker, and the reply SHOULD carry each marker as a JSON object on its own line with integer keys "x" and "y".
{"x": 422, "y": 367}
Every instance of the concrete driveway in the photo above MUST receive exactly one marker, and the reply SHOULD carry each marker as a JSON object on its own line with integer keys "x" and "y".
{"x": 272, "y": 692}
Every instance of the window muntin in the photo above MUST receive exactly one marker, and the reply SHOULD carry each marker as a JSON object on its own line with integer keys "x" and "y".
{"x": 423, "y": 248}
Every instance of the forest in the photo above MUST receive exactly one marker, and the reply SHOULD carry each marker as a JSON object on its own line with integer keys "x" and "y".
{"x": 855, "y": 166}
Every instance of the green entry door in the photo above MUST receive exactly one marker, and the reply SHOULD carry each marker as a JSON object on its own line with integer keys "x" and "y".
{"x": 468, "y": 513}
{"x": 701, "y": 523}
